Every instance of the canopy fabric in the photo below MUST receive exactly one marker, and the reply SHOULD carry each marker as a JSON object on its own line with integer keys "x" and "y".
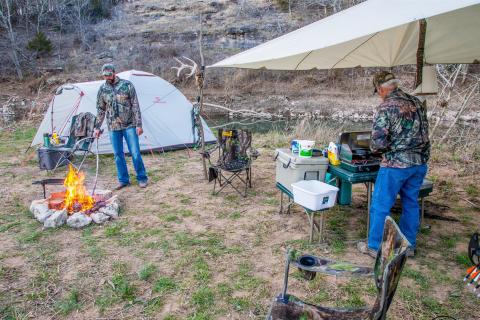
{"x": 166, "y": 113}
{"x": 375, "y": 33}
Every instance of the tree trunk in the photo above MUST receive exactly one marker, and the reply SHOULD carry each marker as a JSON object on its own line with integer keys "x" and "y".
{"x": 200, "y": 127}
{"x": 420, "y": 51}
{"x": 7, "y": 23}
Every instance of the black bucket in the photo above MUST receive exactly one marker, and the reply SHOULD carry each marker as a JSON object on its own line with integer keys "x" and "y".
{"x": 307, "y": 261}
{"x": 49, "y": 158}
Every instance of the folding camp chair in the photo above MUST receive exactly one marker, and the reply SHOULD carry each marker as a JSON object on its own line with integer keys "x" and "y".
{"x": 390, "y": 260}
{"x": 76, "y": 148}
{"x": 235, "y": 156}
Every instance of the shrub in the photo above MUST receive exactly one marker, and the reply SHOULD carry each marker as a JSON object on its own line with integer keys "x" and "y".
{"x": 40, "y": 43}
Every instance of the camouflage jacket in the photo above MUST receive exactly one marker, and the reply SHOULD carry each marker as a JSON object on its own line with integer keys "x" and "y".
{"x": 119, "y": 103}
{"x": 400, "y": 131}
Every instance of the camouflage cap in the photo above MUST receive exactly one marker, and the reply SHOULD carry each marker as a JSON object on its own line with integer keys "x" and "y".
{"x": 108, "y": 69}
{"x": 381, "y": 78}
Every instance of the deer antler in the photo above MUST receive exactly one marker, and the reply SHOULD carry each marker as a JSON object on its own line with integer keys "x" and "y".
{"x": 193, "y": 67}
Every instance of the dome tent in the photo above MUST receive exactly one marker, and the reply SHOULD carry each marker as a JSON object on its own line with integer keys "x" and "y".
{"x": 166, "y": 113}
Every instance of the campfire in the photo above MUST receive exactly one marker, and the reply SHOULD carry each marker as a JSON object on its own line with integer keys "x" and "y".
{"x": 75, "y": 198}
{"x": 75, "y": 205}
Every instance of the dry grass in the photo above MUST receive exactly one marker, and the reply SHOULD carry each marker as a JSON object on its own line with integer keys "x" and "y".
{"x": 177, "y": 252}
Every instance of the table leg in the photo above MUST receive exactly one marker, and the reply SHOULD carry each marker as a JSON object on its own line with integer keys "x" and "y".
{"x": 422, "y": 210}
{"x": 310, "y": 219}
{"x": 322, "y": 226}
{"x": 369, "y": 200}
{"x": 422, "y": 215}
{"x": 281, "y": 202}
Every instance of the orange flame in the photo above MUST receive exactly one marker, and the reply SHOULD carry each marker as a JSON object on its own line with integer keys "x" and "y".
{"x": 76, "y": 196}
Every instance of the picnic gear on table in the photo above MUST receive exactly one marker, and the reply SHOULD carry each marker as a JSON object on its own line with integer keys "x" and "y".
{"x": 235, "y": 157}
{"x": 390, "y": 260}
{"x": 291, "y": 168}
{"x": 305, "y": 148}
{"x": 315, "y": 197}
{"x": 294, "y": 146}
{"x": 355, "y": 153}
{"x": 333, "y": 154}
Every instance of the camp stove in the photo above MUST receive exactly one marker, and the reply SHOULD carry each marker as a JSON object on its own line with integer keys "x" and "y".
{"x": 355, "y": 153}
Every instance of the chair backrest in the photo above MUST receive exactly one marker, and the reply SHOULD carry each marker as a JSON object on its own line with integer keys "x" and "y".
{"x": 389, "y": 264}
{"x": 233, "y": 144}
{"x": 82, "y": 126}
{"x": 71, "y": 135}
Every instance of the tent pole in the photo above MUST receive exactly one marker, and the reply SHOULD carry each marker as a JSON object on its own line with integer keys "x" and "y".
{"x": 51, "y": 112}
{"x": 420, "y": 51}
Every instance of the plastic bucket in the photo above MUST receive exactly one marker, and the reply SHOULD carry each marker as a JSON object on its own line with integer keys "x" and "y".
{"x": 305, "y": 148}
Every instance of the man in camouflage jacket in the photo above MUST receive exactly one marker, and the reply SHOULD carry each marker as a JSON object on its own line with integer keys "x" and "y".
{"x": 118, "y": 102}
{"x": 400, "y": 134}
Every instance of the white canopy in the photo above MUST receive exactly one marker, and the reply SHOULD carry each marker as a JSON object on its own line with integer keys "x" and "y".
{"x": 375, "y": 33}
{"x": 166, "y": 113}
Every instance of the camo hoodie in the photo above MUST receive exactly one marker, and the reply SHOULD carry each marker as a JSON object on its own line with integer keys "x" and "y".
{"x": 400, "y": 131}
{"x": 119, "y": 103}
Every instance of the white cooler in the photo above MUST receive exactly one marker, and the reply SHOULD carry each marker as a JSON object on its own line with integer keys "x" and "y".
{"x": 314, "y": 195}
{"x": 291, "y": 168}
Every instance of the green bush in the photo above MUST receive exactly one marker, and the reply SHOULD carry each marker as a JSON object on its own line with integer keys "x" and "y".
{"x": 41, "y": 44}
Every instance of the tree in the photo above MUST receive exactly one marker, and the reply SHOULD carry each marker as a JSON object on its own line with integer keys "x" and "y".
{"x": 6, "y": 13}
{"x": 41, "y": 44}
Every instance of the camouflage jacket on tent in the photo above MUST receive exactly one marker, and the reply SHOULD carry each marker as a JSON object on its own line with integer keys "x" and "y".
{"x": 119, "y": 104}
{"x": 400, "y": 131}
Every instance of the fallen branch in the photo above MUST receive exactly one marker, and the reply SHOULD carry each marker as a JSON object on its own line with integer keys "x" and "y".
{"x": 243, "y": 112}
{"x": 471, "y": 203}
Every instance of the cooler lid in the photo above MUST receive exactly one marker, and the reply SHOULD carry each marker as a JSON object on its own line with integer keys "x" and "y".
{"x": 286, "y": 157}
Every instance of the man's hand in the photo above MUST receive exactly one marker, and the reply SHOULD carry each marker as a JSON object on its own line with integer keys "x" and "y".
{"x": 139, "y": 131}
{"x": 96, "y": 133}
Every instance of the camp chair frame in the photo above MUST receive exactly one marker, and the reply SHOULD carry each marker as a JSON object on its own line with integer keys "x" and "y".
{"x": 389, "y": 263}
{"x": 234, "y": 147}
{"x": 73, "y": 148}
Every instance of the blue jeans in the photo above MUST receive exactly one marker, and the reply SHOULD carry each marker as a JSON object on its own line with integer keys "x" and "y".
{"x": 131, "y": 137}
{"x": 391, "y": 182}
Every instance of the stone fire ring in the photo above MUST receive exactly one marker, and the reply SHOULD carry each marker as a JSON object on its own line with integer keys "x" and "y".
{"x": 52, "y": 218}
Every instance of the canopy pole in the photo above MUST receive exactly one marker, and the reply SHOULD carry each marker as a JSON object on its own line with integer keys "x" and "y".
{"x": 420, "y": 51}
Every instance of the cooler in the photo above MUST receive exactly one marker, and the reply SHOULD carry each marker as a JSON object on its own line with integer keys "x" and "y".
{"x": 291, "y": 168}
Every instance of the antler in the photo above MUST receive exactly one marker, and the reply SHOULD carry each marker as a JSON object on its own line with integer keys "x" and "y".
{"x": 193, "y": 67}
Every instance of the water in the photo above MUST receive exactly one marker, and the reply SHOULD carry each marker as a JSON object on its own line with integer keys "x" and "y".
{"x": 263, "y": 125}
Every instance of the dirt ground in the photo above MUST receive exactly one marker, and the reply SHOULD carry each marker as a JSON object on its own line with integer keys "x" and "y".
{"x": 179, "y": 252}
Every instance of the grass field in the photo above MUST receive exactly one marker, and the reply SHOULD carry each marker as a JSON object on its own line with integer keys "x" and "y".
{"x": 178, "y": 252}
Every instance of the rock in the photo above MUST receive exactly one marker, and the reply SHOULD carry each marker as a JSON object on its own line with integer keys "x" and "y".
{"x": 110, "y": 210}
{"x": 99, "y": 217}
{"x": 79, "y": 220}
{"x": 56, "y": 219}
{"x": 170, "y": 9}
{"x": 113, "y": 201}
{"x": 40, "y": 210}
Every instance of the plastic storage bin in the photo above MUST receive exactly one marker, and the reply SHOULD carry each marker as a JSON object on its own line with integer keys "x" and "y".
{"x": 314, "y": 195}
{"x": 291, "y": 168}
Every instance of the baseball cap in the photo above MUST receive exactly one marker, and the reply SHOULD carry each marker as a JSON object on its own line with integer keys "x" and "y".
{"x": 381, "y": 78}
{"x": 108, "y": 69}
